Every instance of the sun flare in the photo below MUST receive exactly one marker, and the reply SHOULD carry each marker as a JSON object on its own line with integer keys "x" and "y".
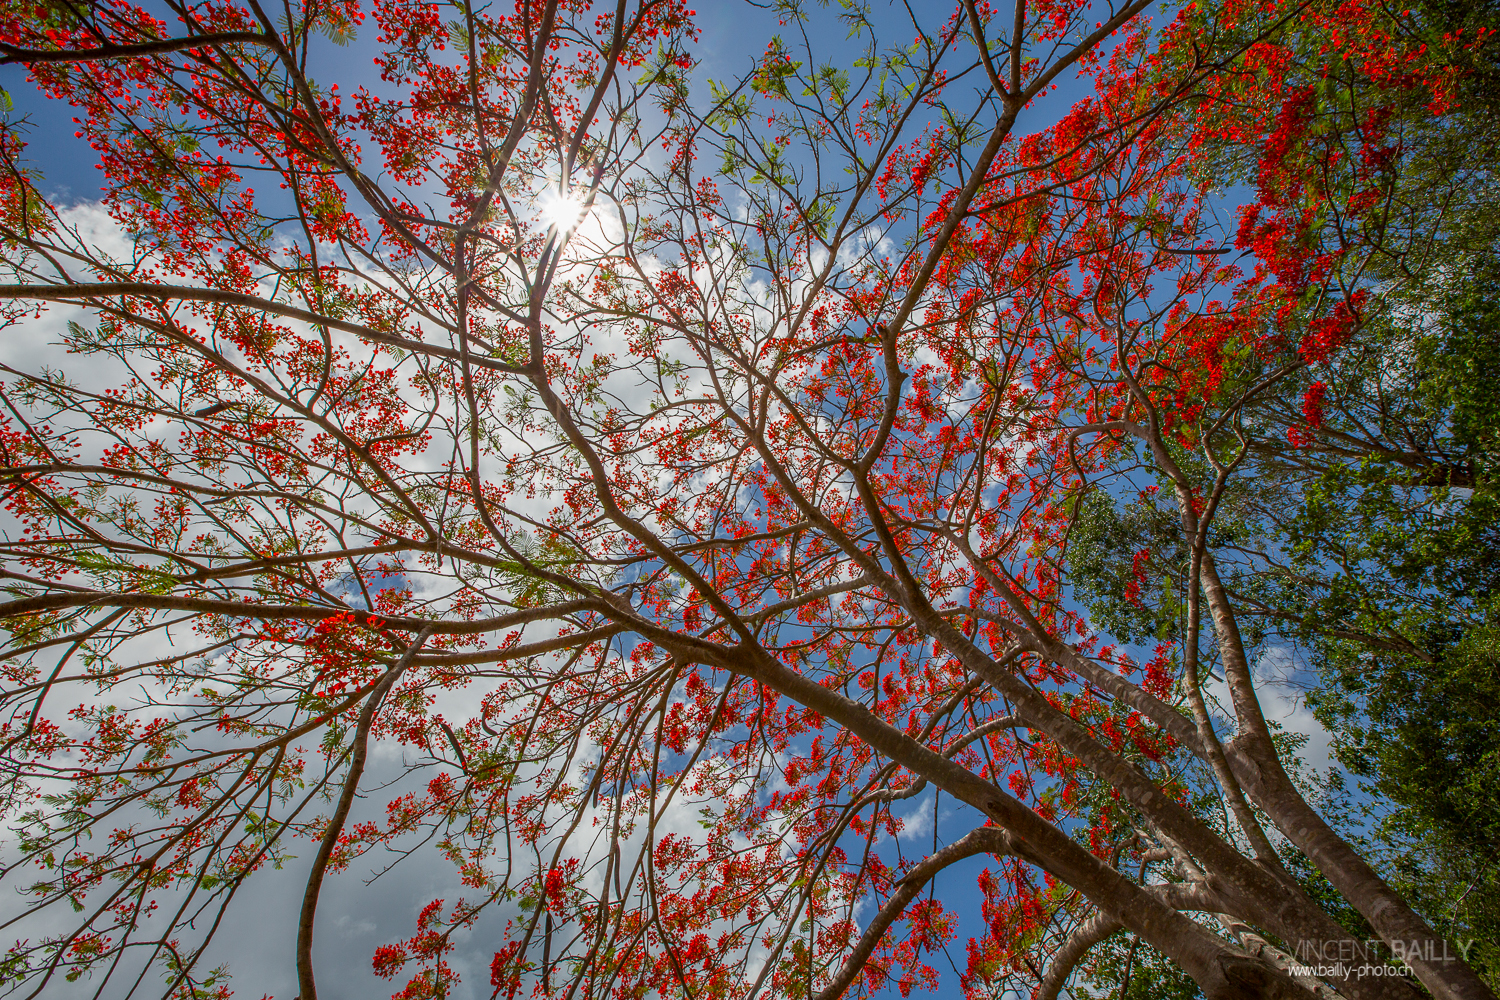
{"x": 562, "y": 211}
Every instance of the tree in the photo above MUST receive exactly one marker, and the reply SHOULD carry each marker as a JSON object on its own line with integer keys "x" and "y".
{"x": 1383, "y": 570}
{"x": 1367, "y": 536}
{"x": 722, "y": 452}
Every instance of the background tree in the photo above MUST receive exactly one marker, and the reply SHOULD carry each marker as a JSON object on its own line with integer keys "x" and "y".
{"x": 1368, "y": 536}
{"x": 1370, "y": 542}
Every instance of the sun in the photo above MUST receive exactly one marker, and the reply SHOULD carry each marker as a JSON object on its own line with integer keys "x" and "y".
{"x": 561, "y": 211}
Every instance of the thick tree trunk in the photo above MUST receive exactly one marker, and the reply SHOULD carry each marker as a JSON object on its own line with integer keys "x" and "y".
{"x": 1222, "y": 971}
{"x": 1257, "y": 765}
{"x": 1260, "y": 896}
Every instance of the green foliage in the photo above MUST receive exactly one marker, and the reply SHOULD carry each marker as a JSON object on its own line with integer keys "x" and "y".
{"x": 1394, "y": 582}
{"x": 1425, "y": 733}
{"x": 1460, "y": 368}
{"x": 1102, "y": 547}
{"x": 1421, "y": 736}
{"x": 1152, "y": 976}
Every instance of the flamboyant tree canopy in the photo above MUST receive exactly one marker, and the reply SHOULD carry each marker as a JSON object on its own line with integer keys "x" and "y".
{"x": 706, "y": 512}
